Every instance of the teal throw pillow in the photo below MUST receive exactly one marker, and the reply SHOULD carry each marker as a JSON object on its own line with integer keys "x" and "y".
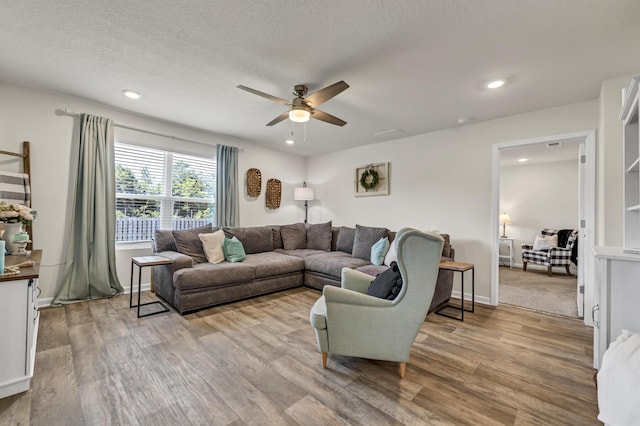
{"x": 379, "y": 251}
{"x": 233, "y": 250}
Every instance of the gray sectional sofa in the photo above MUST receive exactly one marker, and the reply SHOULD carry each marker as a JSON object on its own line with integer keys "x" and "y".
{"x": 278, "y": 258}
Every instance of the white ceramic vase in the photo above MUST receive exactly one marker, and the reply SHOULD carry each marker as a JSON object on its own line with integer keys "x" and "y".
{"x": 9, "y": 235}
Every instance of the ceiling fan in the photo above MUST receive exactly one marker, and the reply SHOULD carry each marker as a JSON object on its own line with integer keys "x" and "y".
{"x": 301, "y": 108}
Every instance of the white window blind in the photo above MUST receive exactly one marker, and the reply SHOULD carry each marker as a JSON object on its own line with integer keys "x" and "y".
{"x": 161, "y": 190}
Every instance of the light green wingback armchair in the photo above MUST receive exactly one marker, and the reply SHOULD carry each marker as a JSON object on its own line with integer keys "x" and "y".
{"x": 349, "y": 322}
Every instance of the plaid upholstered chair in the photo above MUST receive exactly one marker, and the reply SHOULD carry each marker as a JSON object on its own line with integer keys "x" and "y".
{"x": 543, "y": 251}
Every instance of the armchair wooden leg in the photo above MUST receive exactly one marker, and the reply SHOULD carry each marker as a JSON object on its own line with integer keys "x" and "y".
{"x": 549, "y": 271}
{"x": 324, "y": 360}
{"x": 568, "y": 272}
{"x": 403, "y": 369}
{"x": 524, "y": 266}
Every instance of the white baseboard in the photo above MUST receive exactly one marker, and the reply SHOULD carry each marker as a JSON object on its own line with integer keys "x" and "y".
{"x": 467, "y": 296}
{"x": 45, "y": 302}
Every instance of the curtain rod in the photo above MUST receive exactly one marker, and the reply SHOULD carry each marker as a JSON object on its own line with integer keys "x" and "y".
{"x": 67, "y": 111}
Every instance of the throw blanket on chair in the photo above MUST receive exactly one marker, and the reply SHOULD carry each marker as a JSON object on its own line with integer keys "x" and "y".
{"x": 14, "y": 188}
{"x": 563, "y": 237}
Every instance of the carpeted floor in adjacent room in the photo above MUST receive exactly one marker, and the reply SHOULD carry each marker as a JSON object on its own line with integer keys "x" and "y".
{"x": 533, "y": 289}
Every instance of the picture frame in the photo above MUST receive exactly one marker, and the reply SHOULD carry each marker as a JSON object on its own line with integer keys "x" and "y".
{"x": 372, "y": 174}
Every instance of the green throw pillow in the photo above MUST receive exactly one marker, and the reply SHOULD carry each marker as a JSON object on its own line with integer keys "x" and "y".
{"x": 379, "y": 251}
{"x": 233, "y": 250}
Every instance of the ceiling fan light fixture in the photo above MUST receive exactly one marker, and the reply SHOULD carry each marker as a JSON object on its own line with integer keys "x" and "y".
{"x": 299, "y": 115}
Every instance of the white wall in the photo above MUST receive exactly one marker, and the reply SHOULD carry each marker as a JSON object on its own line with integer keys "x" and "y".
{"x": 609, "y": 198}
{"x": 27, "y": 114}
{"x": 439, "y": 180}
{"x": 538, "y": 196}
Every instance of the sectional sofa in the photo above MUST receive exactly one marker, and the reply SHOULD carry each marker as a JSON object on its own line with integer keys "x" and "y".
{"x": 277, "y": 258}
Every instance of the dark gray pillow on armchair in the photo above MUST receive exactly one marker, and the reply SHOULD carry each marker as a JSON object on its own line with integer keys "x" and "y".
{"x": 364, "y": 239}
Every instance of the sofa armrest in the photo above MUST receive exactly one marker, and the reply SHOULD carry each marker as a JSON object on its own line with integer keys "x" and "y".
{"x": 355, "y": 280}
{"x": 178, "y": 260}
{"x": 526, "y": 246}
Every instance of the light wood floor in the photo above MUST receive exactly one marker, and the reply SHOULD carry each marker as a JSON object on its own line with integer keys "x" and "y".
{"x": 256, "y": 362}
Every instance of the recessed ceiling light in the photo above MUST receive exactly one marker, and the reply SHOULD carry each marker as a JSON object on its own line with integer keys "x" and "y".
{"x": 131, "y": 94}
{"x": 495, "y": 84}
{"x": 290, "y": 141}
{"x": 523, "y": 160}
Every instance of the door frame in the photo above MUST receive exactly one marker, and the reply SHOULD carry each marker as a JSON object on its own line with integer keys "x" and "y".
{"x": 587, "y": 190}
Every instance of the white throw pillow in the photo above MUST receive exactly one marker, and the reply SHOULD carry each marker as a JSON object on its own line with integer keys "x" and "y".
{"x": 391, "y": 256}
{"x": 545, "y": 242}
{"x": 212, "y": 245}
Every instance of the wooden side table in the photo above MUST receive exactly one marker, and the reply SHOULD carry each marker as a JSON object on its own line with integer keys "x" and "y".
{"x": 461, "y": 267}
{"x": 142, "y": 262}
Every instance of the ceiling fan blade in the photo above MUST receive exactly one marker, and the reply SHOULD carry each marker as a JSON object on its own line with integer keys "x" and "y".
{"x": 279, "y": 118}
{"x": 323, "y": 95}
{"x": 327, "y": 118}
{"x": 264, "y": 95}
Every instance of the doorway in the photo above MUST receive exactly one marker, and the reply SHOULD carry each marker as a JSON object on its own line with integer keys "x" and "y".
{"x": 586, "y": 211}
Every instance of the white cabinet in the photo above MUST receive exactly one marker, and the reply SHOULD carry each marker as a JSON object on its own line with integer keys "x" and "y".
{"x": 510, "y": 253}
{"x": 19, "y": 318}
{"x": 631, "y": 182}
{"x": 617, "y": 292}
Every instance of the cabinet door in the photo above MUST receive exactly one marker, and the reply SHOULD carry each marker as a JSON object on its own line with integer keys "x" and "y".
{"x": 14, "y": 300}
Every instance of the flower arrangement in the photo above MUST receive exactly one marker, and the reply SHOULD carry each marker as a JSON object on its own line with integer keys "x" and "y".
{"x": 15, "y": 213}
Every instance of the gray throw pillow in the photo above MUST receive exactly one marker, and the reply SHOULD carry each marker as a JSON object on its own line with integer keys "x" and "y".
{"x": 364, "y": 239}
{"x": 345, "y": 239}
{"x": 188, "y": 242}
{"x": 294, "y": 236}
{"x": 254, "y": 239}
{"x": 319, "y": 236}
{"x": 163, "y": 241}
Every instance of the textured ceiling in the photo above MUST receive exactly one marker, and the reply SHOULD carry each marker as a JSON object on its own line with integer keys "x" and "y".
{"x": 412, "y": 65}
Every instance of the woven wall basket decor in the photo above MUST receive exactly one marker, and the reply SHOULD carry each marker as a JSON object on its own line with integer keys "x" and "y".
{"x": 254, "y": 182}
{"x": 273, "y": 194}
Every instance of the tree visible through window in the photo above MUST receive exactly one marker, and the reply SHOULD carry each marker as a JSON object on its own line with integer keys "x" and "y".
{"x": 161, "y": 190}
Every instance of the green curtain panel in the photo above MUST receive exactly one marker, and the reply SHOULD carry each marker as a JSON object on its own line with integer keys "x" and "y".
{"x": 90, "y": 271}
{"x": 227, "y": 210}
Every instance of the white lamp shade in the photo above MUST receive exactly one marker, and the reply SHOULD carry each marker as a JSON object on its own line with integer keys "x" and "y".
{"x": 303, "y": 194}
{"x": 504, "y": 218}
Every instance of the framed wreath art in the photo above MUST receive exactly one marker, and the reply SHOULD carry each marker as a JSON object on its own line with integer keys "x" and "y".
{"x": 372, "y": 179}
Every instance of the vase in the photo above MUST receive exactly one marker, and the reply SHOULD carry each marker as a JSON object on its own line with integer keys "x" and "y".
{"x": 9, "y": 236}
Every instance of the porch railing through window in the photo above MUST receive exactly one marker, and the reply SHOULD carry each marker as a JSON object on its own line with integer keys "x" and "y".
{"x": 143, "y": 228}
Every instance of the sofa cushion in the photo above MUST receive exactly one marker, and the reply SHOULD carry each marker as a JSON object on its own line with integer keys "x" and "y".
{"x": 188, "y": 242}
{"x": 163, "y": 241}
{"x": 255, "y": 239}
{"x": 364, "y": 239}
{"x": 372, "y": 270}
{"x": 207, "y": 274}
{"x": 345, "y": 239}
{"x": 331, "y": 263}
{"x": 272, "y": 263}
{"x": 294, "y": 236}
{"x": 233, "y": 250}
{"x": 446, "y": 249}
{"x": 277, "y": 238}
{"x": 319, "y": 236}
{"x": 300, "y": 253}
{"x": 212, "y": 246}
{"x": 335, "y": 231}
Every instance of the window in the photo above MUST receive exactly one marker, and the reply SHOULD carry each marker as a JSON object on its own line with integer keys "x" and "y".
{"x": 161, "y": 190}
